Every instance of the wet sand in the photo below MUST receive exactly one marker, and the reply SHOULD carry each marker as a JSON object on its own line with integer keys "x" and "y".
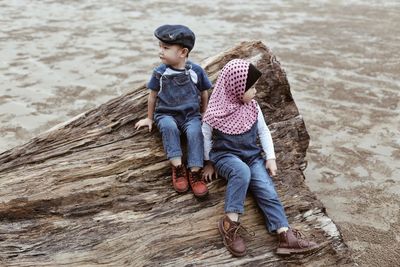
{"x": 60, "y": 58}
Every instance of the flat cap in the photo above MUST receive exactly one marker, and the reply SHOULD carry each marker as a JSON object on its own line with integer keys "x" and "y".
{"x": 176, "y": 34}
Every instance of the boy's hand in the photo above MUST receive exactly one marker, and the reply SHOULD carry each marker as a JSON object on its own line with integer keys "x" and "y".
{"x": 144, "y": 122}
{"x": 208, "y": 172}
{"x": 270, "y": 164}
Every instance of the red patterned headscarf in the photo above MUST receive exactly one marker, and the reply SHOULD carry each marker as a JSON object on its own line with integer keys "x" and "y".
{"x": 226, "y": 111}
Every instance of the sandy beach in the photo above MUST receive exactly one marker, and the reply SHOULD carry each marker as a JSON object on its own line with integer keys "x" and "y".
{"x": 61, "y": 58}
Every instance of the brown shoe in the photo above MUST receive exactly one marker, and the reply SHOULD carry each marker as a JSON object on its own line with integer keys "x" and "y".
{"x": 292, "y": 242}
{"x": 229, "y": 231}
{"x": 179, "y": 179}
{"x": 197, "y": 184}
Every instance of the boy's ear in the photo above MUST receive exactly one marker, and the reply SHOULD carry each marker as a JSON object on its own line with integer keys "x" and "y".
{"x": 185, "y": 52}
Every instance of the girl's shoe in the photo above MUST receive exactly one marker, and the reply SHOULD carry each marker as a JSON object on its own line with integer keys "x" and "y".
{"x": 292, "y": 242}
{"x": 231, "y": 237}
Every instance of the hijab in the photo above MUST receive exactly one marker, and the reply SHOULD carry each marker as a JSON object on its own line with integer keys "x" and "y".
{"x": 226, "y": 111}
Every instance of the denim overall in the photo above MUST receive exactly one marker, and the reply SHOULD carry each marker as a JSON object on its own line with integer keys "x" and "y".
{"x": 238, "y": 159}
{"x": 178, "y": 110}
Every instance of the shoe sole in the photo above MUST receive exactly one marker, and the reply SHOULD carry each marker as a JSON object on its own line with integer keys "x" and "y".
{"x": 290, "y": 251}
{"x": 201, "y": 195}
{"x": 228, "y": 248}
{"x": 182, "y": 191}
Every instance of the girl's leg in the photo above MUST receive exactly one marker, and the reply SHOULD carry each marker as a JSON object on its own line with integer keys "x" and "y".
{"x": 263, "y": 189}
{"x": 290, "y": 241}
{"x": 233, "y": 216}
{"x": 238, "y": 175}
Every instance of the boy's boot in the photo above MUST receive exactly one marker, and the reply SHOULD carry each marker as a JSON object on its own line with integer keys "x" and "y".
{"x": 197, "y": 184}
{"x": 292, "y": 242}
{"x": 179, "y": 179}
{"x": 229, "y": 231}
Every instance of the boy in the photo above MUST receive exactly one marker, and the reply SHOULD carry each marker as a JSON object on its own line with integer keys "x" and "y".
{"x": 176, "y": 87}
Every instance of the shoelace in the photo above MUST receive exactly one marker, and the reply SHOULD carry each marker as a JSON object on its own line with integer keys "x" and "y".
{"x": 298, "y": 234}
{"x": 196, "y": 176}
{"x": 300, "y": 238}
{"x": 236, "y": 230}
{"x": 180, "y": 171}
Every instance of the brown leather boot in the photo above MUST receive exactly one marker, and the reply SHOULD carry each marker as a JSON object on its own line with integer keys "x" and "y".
{"x": 230, "y": 236}
{"x": 179, "y": 179}
{"x": 197, "y": 184}
{"x": 292, "y": 242}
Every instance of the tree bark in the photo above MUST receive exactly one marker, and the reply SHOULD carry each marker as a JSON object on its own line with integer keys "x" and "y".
{"x": 95, "y": 192}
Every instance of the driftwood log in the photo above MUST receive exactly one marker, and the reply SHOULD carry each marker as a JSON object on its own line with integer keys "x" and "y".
{"x": 95, "y": 192}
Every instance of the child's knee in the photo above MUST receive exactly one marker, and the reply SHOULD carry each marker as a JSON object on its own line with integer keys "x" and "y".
{"x": 241, "y": 175}
{"x": 194, "y": 133}
{"x": 266, "y": 190}
{"x": 167, "y": 125}
{"x": 245, "y": 175}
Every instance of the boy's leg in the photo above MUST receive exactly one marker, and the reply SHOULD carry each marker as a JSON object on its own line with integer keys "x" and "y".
{"x": 195, "y": 147}
{"x": 170, "y": 136}
{"x": 176, "y": 161}
{"x": 238, "y": 175}
{"x": 195, "y": 155}
{"x": 263, "y": 189}
{"x": 172, "y": 146}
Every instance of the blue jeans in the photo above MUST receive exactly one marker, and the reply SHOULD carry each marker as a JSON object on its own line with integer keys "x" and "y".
{"x": 254, "y": 176}
{"x": 171, "y": 128}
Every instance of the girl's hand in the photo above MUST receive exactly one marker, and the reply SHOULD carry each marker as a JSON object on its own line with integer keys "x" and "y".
{"x": 144, "y": 122}
{"x": 270, "y": 164}
{"x": 208, "y": 172}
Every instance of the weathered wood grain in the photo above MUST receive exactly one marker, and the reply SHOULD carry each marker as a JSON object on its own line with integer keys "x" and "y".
{"x": 95, "y": 192}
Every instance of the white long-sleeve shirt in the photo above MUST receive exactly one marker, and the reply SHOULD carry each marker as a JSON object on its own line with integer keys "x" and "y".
{"x": 263, "y": 134}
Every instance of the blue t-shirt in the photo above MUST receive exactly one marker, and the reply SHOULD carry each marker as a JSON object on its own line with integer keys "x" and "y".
{"x": 197, "y": 74}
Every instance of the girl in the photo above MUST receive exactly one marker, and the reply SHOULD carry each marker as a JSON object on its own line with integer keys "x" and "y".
{"x": 231, "y": 124}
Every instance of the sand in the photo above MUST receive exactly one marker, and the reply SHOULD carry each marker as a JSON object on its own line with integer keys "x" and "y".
{"x": 61, "y": 58}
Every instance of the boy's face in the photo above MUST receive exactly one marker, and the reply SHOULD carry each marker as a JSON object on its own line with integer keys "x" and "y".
{"x": 249, "y": 95}
{"x": 172, "y": 54}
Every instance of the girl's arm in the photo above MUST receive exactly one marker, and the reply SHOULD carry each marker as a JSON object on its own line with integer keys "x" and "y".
{"x": 207, "y": 135}
{"x": 265, "y": 136}
{"x": 266, "y": 143}
{"x": 208, "y": 170}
